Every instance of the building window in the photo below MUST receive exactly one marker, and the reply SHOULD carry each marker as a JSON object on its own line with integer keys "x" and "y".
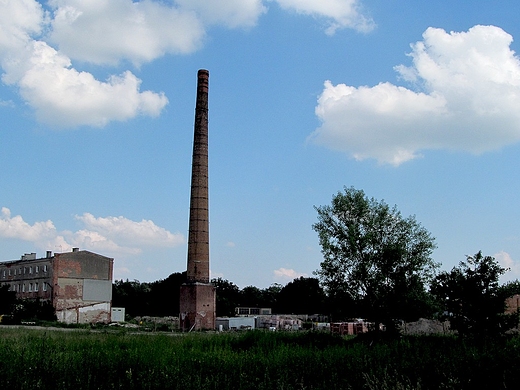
{"x": 24, "y": 270}
{"x": 36, "y": 269}
{"x": 20, "y": 271}
{"x": 44, "y": 286}
{"x": 30, "y": 287}
{"x": 15, "y": 272}
{"x": 35, "y": 287}
{"x": 45, "y": 268}
{"x": 30, "y": 270}
{"x": 3, "y": 273}
{"x": 23, "y": 287}
{"x": 9, "y": 271}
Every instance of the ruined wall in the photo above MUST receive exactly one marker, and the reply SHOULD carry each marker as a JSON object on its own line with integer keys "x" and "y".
{"x": 82, "y": 287}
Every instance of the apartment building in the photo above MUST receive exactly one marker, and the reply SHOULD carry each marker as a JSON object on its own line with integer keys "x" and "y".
{"x": 77, "y": 283}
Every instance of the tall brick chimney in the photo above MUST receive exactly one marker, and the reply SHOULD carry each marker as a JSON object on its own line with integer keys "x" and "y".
{"x": 197, "y": 298}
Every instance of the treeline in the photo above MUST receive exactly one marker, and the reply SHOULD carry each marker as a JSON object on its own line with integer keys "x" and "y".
{"x": 14, "y": 310}
{"x": 161, "y": 298}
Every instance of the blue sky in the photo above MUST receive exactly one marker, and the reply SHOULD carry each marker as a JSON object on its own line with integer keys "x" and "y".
{"x": 416, "y": 103}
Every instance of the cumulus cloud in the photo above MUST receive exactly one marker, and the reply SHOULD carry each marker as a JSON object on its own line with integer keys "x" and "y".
{"x": 16, "y": 227}
{"x": 107, "y": 31}
{"x": 19, "y": 20}
{"x": 230, "y": 13}
{"x": 38, "y": 48}
{"x": 506, "y": 261}
{"x": 338, "y": 13}
{"x": 64, "y": 97}
{"x": 465, "y": 96}
{"x": 61, "y": 95}
{"x": 145, "y": 232}
{"x": 285, "y": 274}
{"x": 109, "y": 235}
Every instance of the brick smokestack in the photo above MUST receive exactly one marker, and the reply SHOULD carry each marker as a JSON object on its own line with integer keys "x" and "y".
{"x": 197, "y": 295}
{"x": 198, "y": 237}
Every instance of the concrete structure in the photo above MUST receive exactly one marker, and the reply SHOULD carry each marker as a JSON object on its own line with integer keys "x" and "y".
{"x": 351, "y": 327}
{"x": 252, "y": 311}
{"x": 278, "y": 322}
{"x": 197, "y": 295}
{"x": 77, "y": 283}
{"x": 118, "y": 314}
{"x": 235, "y": 323}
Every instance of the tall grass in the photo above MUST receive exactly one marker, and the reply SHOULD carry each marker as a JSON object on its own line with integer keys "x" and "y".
{"x": 77, "y": 360}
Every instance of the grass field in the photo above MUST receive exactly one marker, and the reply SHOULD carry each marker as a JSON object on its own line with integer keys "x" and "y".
{"x": 50, "y": 359}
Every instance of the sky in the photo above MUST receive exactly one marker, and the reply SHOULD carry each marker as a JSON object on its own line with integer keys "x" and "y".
{"x": 415, "y": 103}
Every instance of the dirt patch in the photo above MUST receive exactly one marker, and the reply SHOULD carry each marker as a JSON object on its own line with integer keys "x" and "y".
{"x": 425, "y": 326}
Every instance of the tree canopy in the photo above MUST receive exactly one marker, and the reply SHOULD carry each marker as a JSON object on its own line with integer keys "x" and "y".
{"x": 471, "y": 297}
{"x": 302, "y": 296}
{"x": 375, "y": 260}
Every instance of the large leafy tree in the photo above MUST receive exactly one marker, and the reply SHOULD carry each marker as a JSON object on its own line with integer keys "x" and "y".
{"x": 7, "y": 300}
{"x": 228, "y": 297}
{"x": 376, "y": 262}
{"x": 471, "y": 297}
{"x": 302, "y": 296}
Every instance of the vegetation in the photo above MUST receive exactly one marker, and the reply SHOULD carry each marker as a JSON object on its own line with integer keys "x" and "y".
{"x": 7, "y": 300}
{"x": 161, "y": 298}
{"x": 15, "y": 311}
{"x": 471, "y": 298}
{"x": 377, "y": 266}
{"x": 78, "y": 360}
{"x": 377, "y": 263}
{"x": 302, "y": 295}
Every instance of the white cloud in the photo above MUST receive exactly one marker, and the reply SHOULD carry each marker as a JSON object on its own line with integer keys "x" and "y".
{"x": 110, "y": 235}
{"x": 125, "y": 230}
{"x": 61, "y": 95}
{"x": 339, "y": 13}
{"x": 19, "y": 19}
{"x": 506, "y": 261}
{"x": 466, "y": 97}
{"x": 65, "y": 97}
{"x": 38, "y": 48}
{"x": 230, "y": 13}
{"x": 285, "y": 274}
{"x": 107, "y": 31}
{"x": 16, "y": 227}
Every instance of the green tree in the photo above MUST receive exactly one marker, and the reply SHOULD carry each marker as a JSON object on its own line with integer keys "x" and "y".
{"x": 471, "y": 297}
{"x": 7, "y": 300}
{"x": 164, "y": 295}
{"x": 302, "y": 296}
{"x": 227, "y": 297}
{"x": 375, "y": 260}
{"x": 270, "y": 296}
{"x": 134, "y": 296}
